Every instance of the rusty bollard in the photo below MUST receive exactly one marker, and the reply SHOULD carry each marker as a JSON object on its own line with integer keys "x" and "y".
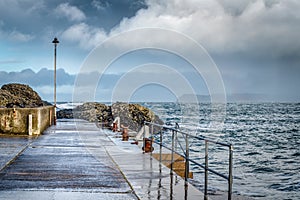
{"x": 147, "y": 145}
{"x": 114, "y": 127}
{"x": 125, "y": 135}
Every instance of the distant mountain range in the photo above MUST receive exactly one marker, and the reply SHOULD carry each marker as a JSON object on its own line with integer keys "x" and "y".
{"x": 40, "y": 78}
{"x": 242, "y": 98}
{"x": 44, "y": 77}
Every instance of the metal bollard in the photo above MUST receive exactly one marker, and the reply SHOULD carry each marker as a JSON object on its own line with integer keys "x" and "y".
{"x": 147, "y": 145}
{"x": 125, "y": 135}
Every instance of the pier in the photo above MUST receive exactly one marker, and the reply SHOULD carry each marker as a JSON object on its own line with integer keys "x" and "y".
{"x": 77, "y": 160}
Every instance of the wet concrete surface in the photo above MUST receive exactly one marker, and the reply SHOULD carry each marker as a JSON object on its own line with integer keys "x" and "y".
{"x": 10, "y": 146}
{"x": 77, "y": 160}
{"x": 59, "y": 165}
{"x": 148, "y": 178}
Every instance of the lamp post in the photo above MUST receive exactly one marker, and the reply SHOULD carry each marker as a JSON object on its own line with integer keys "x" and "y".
{"x": 55, "y": 42}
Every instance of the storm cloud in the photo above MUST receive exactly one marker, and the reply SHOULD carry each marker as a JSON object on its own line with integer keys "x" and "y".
{"x": 255, "y": 43}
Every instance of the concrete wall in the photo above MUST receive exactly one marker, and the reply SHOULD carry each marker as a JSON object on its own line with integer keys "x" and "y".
{"x": 17, "y": 120}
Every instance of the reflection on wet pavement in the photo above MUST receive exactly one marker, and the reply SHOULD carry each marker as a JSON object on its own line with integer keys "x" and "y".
{"x": 58, "y": 161}
{"x": 79, "y": 161}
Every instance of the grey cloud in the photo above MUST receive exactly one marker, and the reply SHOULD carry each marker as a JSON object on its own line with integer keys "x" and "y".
{"x": 235, "y": 7}
{"x": 22, "y": 15}
{"x": 21, "y": 37}
{"x": 71, "y": 12}
{"x": 27, "y": 20}
{"x": 271, "y": 3}
{"x": 100, "y": 5}
{"x": 87, "y": 36}
{"x": 11, "y": 61}
{"x": 258, "y": 39}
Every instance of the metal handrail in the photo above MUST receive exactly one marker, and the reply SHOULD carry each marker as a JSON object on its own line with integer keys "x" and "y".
{"x": 187, "y": 158}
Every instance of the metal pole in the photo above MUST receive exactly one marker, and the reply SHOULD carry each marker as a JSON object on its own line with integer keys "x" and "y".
{"x": 55, "y": 83}
{"x": 172, "y": 153}
{"x": 55, "y": 42}
{"x": 144, "y": 139}
{"x": 187, "y": 155}
{"x": 151, "y": 138}
{"x": 230, "y": 179}
{"x": 206, "y": 171}
{"x": 160, "y": 147}
{"x": 176, "y": 140}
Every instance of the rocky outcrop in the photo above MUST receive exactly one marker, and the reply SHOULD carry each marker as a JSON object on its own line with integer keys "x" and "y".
{"x": 20, "y": 96}
{"x": 131, "y": 115}
{"x": 94, "y": 112}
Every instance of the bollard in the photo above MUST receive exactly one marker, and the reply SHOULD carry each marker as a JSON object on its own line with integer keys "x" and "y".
{"x": 125, "y": 135}
{"x": 115, "y": 127}
{"x": 30, "y": 124}
{"x": 147, "y": 145}
{"x": 50, "y": 117}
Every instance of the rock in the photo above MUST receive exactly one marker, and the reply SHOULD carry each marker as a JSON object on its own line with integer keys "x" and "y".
{"x": 19, "y": 95}
{"x": 131, "y": 115}
{"x": 5, "y": 97}
{"x": 65, "y": 114}
{"x": 134, "y": 115}
{"x": 93, "y": 112}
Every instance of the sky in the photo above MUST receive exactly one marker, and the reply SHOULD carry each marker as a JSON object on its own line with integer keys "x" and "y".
{"x": 253, "y": 47}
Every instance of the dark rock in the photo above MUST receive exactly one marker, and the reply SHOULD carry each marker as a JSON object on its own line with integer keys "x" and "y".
{"x": 94, "y": 112}
{"x": 131, "y": 115}
{"x": 5, "y": 97}
{"x": 46, "y": 103}
{"x": 65, "y": 114}
{"x": 19, "y": 95}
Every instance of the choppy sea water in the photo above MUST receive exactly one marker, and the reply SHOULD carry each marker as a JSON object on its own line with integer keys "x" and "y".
{"x": 266, "y": 140}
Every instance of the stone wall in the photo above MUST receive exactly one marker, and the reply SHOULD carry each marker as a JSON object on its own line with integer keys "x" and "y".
{"x": 16, "y": 120}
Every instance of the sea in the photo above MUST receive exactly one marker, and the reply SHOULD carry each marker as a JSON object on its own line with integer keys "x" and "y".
{"x": 265, "y": 139}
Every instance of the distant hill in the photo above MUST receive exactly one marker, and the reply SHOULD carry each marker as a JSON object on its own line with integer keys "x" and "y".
{"x": 41, "y": 78}
{"x": 240, "y": 98}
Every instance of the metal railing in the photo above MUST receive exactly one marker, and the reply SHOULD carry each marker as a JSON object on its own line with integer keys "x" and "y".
{"x": 186, "y": 155}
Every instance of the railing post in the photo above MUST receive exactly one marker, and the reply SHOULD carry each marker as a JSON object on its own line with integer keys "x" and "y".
{"x": 175, "y": 132}
{"x": 172, "y": 153}
{"x": 230, "y": 172}
{"x": 152, "y": 130}
{"x": 144, "y": 130}
{"x": 206, "y": 171}
{"x": 176, "y": 140}
{"x": 151, "y": 137}
{"x": 187, "y": 164}
{"x": 144, "y": 141}
{"x": 160, "y": 150}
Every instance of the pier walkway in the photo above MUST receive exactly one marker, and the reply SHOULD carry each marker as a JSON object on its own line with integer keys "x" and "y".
{"x": 77, "y": 160}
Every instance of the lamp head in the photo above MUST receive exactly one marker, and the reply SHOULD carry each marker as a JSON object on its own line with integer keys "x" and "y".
{"x": 55, "y": 41}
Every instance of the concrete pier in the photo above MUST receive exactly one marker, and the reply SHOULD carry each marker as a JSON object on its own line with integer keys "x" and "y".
{"x": 77, "y": 160}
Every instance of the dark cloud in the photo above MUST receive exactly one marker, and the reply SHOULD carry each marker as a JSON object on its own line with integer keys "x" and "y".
{"x": 35, "y": 18}
{"x": 255, "y": 43}
{"x": 237, "y": 7}
{"x": 107, "y": 14}
{"x": 234, "y": 7}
